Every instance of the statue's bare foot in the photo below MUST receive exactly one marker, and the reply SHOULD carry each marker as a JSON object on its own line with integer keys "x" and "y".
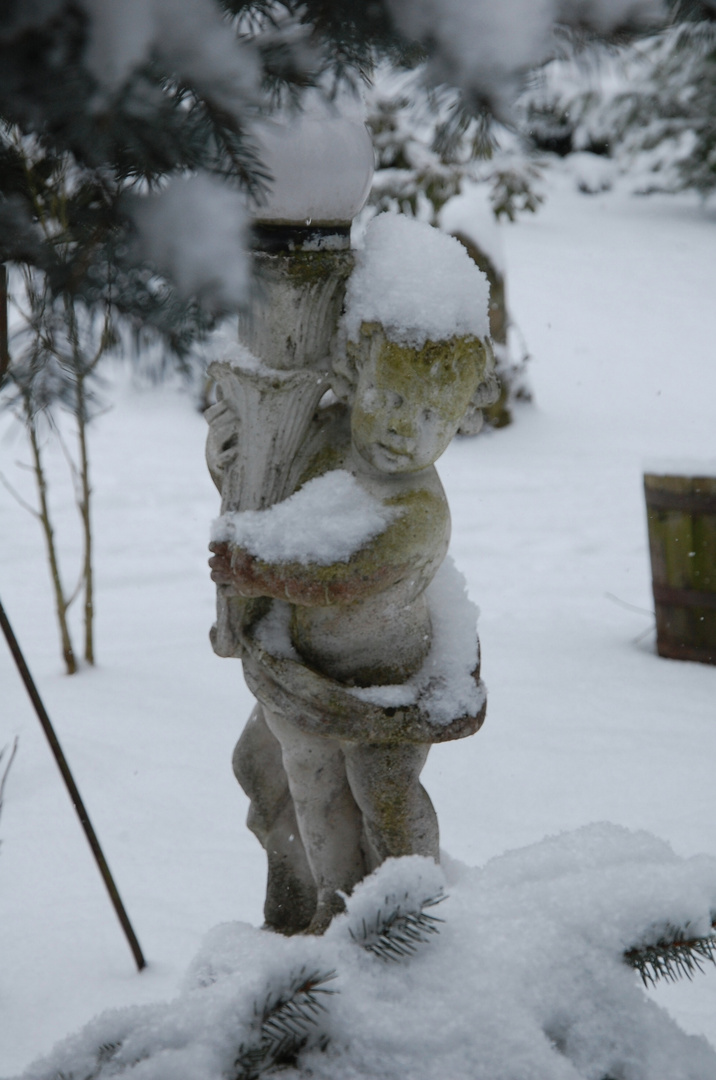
{"x": 325, "y": 913}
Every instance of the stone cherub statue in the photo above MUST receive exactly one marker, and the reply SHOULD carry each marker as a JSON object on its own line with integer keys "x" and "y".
{"x": 331, "y": 615}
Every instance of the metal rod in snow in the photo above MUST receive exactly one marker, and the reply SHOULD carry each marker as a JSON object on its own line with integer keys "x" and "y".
{"x": 73, "y": 791}
{"x": 4, "y": 353}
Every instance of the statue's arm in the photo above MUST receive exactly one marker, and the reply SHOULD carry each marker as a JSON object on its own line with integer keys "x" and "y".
{"x": 416, "y": 538}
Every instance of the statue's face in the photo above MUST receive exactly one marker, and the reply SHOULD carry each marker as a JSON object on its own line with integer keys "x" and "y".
{"x": 408, "y": 405}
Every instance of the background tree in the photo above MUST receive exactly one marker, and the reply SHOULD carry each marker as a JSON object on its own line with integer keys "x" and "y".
{"x": 650, "y": 104}
{"x": 54, "y": 356}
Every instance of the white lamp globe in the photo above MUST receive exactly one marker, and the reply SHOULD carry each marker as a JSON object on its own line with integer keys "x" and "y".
{"x": 321, "y": 167}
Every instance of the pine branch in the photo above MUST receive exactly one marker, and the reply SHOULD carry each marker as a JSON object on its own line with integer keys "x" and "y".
{"x": 285, "y": 1023}
{"x": 673, "y": 956}
{"x": 103, "y": 1056}
{"x": 398, "y": 929}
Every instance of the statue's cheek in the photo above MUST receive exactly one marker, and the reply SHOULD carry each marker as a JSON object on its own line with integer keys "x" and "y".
{"x": 434, "y": 437}
{"x": 365, "y": 427}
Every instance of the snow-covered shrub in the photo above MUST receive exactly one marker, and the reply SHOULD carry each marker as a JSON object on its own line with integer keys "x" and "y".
{"x": 665, "y": 117}
{"x": 428, "y": 146}
{"x": 529, "y": 978}
{"x": 650, "y": 105}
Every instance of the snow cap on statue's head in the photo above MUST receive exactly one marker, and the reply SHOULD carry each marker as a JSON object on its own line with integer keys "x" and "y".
{"x": 417, "y": 282}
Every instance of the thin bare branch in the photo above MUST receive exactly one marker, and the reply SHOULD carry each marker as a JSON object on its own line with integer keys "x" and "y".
{"x": 61, "y": 603}
{"x": 6, "y": 770}
{"x": 18, "y": 497}
{"x": 71, "y": 464}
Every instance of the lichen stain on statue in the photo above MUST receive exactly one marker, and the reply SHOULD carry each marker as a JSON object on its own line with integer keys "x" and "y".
{"x": 329, "y": 556}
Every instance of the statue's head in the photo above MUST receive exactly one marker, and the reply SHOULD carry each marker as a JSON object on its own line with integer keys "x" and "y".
{"x": 407, "y": 402}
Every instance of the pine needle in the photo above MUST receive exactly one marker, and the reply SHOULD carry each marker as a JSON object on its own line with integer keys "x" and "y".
{"x": 284, "y": 1024}
{"x": 673, "y": 956}
{"x": 398, "y": 929}
{"x": 103, "y": 1056}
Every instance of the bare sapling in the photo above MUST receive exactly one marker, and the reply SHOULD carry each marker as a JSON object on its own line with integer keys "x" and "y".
{"x": 49, "y": 366}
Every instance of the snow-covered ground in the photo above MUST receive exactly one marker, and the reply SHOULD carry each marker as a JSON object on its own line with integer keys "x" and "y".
{"x": 585, "y": 723}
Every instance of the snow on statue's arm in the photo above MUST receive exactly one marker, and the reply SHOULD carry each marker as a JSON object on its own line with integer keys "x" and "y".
{"x": 332, "y": 542}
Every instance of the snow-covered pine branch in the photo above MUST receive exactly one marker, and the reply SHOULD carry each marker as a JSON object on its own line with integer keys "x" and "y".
{"x": 399, "y": 927}
{"x": 284, "y": 1024}
{"x": 674, "y": 955}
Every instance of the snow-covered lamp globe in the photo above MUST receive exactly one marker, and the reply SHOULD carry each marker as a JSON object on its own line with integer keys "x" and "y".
{"x": 321, "y": 167}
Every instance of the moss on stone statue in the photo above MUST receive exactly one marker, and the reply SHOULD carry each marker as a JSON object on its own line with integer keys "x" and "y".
{"x": 439, "y": 366}
{"x": 300, "y": 268}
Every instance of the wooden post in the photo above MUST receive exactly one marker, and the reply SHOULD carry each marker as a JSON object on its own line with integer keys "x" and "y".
{"x": 681, "y": 512}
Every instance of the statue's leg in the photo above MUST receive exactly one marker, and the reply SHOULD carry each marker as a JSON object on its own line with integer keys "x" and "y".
{"x": 329, "y": 820}
{"x": 290, "y": 890}
{"x": 397, "y": 812}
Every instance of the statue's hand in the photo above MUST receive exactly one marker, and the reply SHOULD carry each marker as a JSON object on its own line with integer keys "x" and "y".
{"x": 220, "y": 564}
{"x": 235, "y": 567}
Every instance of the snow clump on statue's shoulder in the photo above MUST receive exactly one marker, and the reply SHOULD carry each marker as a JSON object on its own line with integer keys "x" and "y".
{"x": 418, "y": 283}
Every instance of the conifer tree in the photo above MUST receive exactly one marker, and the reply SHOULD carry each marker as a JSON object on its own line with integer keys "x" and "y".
{"x": 133, "y": 94}
{"x": 649, "y": 104}
{"x": 666, "y": 117}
